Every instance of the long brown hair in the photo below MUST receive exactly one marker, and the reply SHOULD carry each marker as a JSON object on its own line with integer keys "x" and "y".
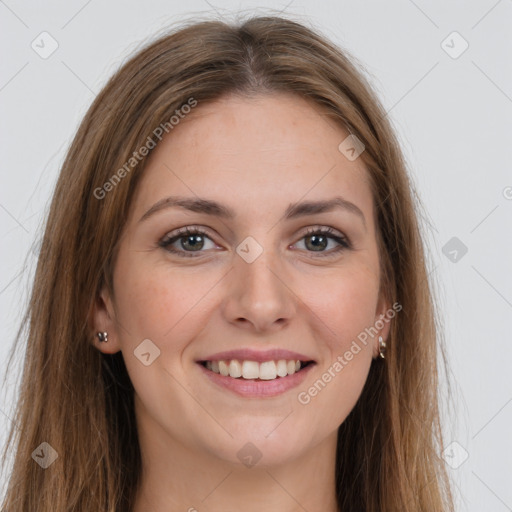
{"x": 80, "y": 401}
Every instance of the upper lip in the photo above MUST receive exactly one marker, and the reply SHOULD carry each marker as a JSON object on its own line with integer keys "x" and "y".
{"x": 260, "y": 356}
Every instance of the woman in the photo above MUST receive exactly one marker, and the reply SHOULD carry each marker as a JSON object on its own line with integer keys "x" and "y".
{"x": 231, "y": 308}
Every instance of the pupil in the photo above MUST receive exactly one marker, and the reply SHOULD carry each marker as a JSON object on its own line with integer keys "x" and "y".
{"x": 195, "y": 242}
{"x": 317, "y": 242}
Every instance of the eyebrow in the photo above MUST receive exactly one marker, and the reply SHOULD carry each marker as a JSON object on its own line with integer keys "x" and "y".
{"x": 294, "y": 210}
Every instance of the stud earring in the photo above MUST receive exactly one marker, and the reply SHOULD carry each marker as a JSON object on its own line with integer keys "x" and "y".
{"x": 102, "y": 336}
{"x": 382, "y": 347}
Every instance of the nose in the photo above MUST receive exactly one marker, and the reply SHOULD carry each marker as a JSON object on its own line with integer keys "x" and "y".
{"x": 259, "y": 296}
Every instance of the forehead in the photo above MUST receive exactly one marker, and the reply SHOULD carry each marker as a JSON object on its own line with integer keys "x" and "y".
{"x": 270, "y": 149}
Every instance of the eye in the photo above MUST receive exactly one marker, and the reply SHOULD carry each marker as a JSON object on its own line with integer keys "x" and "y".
{"x": 187, "y": 241}
{"x": 323, "y": 241}
{"x": 191, "y": 241}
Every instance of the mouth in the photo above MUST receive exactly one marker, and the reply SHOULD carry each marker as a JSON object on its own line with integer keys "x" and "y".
{"x": 253, "y": 379}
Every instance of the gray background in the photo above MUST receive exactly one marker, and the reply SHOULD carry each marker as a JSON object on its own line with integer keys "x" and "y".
{"x": 453, "y": 116}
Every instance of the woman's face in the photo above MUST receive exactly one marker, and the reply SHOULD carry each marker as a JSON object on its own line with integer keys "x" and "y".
{"x": 284, "y": 267}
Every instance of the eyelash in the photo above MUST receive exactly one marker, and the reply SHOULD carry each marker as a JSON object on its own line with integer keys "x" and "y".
{"x": 167, "y": 241}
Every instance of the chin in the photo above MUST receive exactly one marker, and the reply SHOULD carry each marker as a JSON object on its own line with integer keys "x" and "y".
{"x": 262, "y": 445}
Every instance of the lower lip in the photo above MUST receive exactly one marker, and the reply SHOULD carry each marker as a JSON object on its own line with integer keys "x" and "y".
{"x": 249, "y": 388}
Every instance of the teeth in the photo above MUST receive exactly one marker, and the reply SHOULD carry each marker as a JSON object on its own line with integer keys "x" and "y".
{"x": 235, "y": 369}
{"x": 267, "y": 370}
{"x": 281, "y": 369}
{"x": 223, "y": 368}
{"x": 250, "y": 370}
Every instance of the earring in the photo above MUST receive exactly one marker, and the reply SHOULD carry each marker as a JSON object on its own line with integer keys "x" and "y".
{"x": 102, "y": 336}
{"x": 382, "y": 347}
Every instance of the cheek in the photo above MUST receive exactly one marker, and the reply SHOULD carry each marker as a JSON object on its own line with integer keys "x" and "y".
{"x": 345, "y": 304}
{"x": 167, "y": 307}
{"x": 345, "y": 310}
{"x": 154, "y": 301}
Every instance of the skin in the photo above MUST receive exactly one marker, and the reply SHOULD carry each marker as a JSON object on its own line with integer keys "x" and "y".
{"x": 256, "y": 156}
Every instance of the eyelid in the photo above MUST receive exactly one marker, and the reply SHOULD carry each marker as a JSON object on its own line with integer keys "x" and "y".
{"x": 310, "y": 230}
{"x": 184, "y": 231}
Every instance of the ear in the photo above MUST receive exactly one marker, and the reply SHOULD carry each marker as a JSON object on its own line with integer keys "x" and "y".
{"x": 104, "y": 320}
{"x": 383, "y": 318}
